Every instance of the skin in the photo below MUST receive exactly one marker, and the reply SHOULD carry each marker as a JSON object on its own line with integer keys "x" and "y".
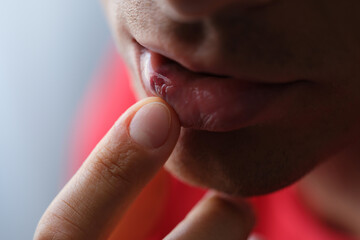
{"x": 276, "y": 41}
{"x": 269, "y": 41}
{"x": 97, "y": 197}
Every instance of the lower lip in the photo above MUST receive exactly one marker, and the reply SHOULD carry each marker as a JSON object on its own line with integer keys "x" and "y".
{"x": 206, "y": 102}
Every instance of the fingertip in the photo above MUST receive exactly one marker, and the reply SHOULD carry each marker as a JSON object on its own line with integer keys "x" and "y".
{"x": 151, "y": 123}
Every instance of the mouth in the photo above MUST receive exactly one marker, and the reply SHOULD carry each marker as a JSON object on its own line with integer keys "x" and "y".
{"x": 210, "y": 102}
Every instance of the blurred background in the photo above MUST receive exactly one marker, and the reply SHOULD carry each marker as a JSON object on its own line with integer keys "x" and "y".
{"x": 49, "y": 50}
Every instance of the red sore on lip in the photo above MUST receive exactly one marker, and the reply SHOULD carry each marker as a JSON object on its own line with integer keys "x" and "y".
{"x": 159, "y": 85}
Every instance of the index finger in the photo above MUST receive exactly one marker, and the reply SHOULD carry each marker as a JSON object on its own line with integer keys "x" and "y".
{"x": 129, "y": 155}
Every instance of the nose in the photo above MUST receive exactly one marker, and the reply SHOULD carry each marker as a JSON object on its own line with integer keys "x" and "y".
{"x": 190, "y": 10}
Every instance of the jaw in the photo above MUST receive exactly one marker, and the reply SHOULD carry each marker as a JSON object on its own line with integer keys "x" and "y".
{"x": 251, "y": 161}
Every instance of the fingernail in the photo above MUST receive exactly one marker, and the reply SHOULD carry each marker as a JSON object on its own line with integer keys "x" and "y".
{"x": 151, "y": 124}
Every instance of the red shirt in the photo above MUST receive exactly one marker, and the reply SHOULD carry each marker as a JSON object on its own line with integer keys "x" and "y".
{"x": 166, "y": 201}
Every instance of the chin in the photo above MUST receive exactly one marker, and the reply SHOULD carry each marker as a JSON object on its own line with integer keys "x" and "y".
{"x": 247, "y": 162}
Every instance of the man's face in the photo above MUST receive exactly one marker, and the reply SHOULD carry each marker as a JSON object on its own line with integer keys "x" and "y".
{"x": 265, "y": 89}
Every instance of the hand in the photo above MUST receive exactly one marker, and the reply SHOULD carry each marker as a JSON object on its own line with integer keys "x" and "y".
{"x": 125, "y": 160}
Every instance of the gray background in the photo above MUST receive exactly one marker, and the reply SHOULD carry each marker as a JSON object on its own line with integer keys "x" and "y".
{"x": 48, "y": 53}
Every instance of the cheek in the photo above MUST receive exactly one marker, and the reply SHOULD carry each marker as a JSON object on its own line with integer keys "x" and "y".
{"x": 110, "y": 9}
{"x": 138, "y": 88}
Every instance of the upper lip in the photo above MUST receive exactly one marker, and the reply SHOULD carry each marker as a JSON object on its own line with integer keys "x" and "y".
{"x": 211, "y": 66}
